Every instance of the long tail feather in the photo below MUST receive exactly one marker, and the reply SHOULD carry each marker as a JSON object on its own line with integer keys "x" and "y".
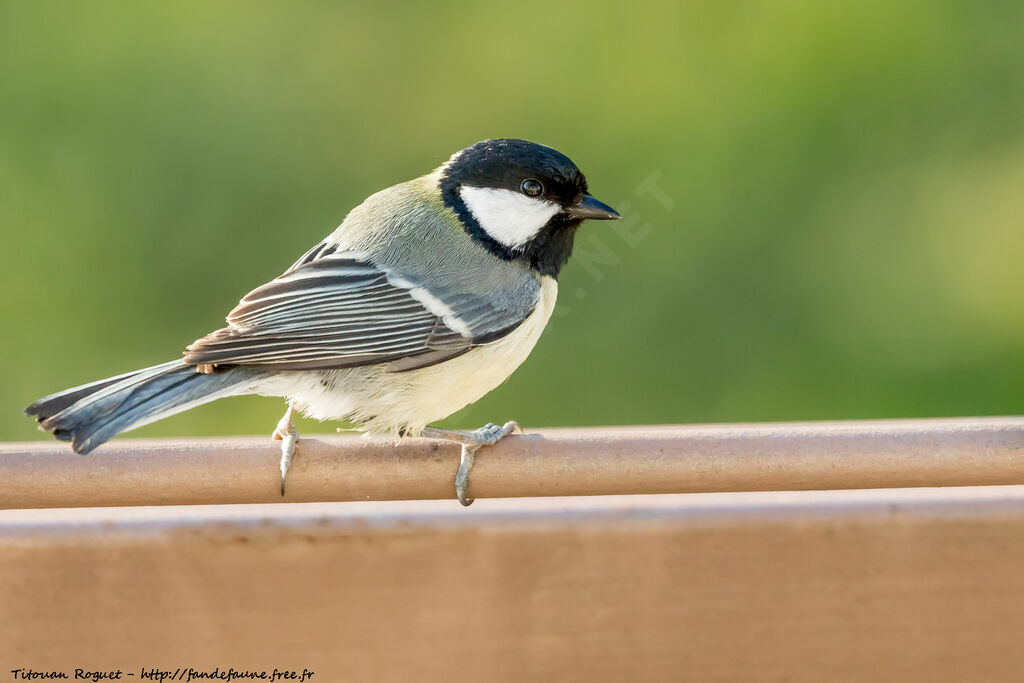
{"x": 91, "y": 414}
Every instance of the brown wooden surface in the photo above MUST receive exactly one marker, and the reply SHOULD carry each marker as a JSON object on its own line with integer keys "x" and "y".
{"x": 549, "y": 462}
{"x": 904, "y": 585}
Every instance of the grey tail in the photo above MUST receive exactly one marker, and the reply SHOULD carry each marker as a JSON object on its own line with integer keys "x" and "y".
{"x": 91, "y": 414}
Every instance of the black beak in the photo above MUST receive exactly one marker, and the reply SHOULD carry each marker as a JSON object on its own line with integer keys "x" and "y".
{"x": 593, "y": 209}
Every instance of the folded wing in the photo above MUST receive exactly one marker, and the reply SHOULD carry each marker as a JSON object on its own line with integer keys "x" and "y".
{"x": 338, "y": 310}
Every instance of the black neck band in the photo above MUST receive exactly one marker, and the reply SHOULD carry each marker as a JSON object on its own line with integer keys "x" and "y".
{"x": 453, "y": 200}
{"x": 546, "y": 253}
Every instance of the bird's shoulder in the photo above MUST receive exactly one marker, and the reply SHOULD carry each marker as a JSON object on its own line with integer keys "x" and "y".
{"x": 408, "y": 231}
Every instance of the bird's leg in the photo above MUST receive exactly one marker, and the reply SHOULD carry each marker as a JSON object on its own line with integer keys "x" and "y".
{"x": 288, "y": 435}
{"x": 487, "y": 435}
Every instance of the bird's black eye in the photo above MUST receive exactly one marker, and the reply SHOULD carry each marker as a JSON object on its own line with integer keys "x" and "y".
{"x": 532, "y": 188}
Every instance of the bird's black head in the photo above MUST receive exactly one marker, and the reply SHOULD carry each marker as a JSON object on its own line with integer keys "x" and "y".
{"x": 521, "y": 200}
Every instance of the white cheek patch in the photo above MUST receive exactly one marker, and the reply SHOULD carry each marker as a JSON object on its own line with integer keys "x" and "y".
{"x": 509, "y": 217}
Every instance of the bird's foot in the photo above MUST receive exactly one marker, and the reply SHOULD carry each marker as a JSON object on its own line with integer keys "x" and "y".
{"x": 488, "y": 435}
{"x": 288, "y": 435}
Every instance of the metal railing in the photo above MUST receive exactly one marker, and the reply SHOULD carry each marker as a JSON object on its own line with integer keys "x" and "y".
{"x": 543, "y": 462}
{"x": 751, "y": 583}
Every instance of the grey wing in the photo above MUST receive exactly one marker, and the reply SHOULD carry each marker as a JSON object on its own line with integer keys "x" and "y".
{"x": 339, "y": 310}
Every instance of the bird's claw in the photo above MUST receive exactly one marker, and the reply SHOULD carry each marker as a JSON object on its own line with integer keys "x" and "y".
{"x": 488, "y": 435}
{"x": 288, "y": 435}
{"x": 466, "y": 460}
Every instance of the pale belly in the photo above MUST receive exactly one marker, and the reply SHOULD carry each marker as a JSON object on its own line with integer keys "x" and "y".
{"x": 381, "y": 401}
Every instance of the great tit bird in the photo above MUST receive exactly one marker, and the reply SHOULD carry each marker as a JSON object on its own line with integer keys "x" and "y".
{"x": 427, "y": 296}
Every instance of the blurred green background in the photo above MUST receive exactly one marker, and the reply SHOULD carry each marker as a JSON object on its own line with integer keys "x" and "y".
{"x": 837, "y": 229}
